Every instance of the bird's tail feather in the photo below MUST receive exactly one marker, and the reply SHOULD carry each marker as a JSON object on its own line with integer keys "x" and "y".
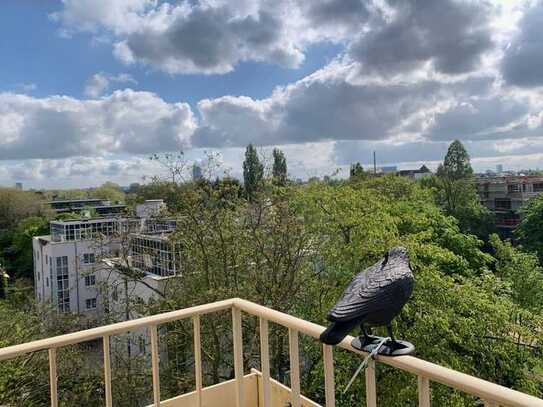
{"x": 335, "y": 333}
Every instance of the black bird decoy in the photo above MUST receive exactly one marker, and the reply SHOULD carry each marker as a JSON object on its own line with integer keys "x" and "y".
{"x": 373, "y": 298}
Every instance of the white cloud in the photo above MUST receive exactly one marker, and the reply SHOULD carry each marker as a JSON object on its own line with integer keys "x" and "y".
{"x": 100, "y": 82}
{"x": 59, "y": 126}
{"x": 411, "y": 78}
{"x": 96, "y": 85}
{"x": 523, "y": 60}
{"x": 337, "y": 103}
{"x": 213, "y": 36}
{"x": 119, "y": 16}
{"x": 77, "y": 172}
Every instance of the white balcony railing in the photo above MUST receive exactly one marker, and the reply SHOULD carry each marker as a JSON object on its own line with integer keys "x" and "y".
{"x": 492, "y": 394}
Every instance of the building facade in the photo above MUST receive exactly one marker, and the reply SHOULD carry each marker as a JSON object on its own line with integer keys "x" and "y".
{"x": 76, "y": 266}
{"x": 420, "y": 173}
{"x": 67, "y": 263}
{"x": 505, "y": 195}
{"x": 100, "y": 206}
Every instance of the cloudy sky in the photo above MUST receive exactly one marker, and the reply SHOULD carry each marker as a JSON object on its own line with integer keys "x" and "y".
{"x": 89, "y": 89}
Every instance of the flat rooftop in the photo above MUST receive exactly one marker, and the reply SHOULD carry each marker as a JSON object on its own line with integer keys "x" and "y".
{"x": 58, "y": 201}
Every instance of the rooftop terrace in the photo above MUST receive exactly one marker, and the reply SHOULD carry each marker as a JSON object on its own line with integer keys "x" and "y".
{"x": 256, "y": 388}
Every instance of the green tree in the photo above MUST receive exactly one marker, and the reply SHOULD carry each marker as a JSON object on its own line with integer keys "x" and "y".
{"x": 3, "y": 284}
{"x": 16, "y": 205}
{"x": 356, "y": 171}
{"x": 110, "y": 191}
{"x": 24, "y": 381}
{"x": 530, "y": 230}
{"x": 253, "y": 172}
{"x": 460, "y": 315}
{"x": 522, "y": 271}
{"x": 279, "y": 170}
{"x": 295, "y": 249}
{"x": 20, "y": 260}
{"x": 456, "y": 193}
{"x": 456, "y": 165}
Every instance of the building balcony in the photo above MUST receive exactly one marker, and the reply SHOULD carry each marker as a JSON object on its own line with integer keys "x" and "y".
{"x": 255, "y": 388}
{"x": 507, "y": 223}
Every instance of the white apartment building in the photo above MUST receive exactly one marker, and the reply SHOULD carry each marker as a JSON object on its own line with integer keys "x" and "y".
{"x": 67, "y": 263}
{"x": 75, "y": 266}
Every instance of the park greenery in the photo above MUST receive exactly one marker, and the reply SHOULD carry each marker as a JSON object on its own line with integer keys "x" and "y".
{"x": 477, "y": 305}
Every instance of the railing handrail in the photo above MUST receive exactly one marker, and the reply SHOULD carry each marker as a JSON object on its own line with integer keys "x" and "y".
{"x": 469, "y": 384}
{"x": 461, "y": 381}
{"x": 112, "y": 329}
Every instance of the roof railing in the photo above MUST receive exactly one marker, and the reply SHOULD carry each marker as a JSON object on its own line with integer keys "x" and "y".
{"x": 493, "y": 395}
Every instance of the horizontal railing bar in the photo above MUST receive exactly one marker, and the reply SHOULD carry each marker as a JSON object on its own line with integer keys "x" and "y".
{"x": 113, "y": 329}
{"x": 457, "y": 380}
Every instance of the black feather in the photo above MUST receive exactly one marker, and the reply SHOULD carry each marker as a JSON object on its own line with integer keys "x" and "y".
{"x": 373, "y": 298}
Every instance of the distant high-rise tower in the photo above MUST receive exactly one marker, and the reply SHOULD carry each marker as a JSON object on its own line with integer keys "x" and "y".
{"x": 19, "y": 186}
{"x": 499, "y": 168}
{"x": 197, "y": 173}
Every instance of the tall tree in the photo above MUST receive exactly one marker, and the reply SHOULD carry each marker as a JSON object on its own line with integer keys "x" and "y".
{"x": 456, "y": 165}
{"x": 457, "y": 194}
{"x": 279, "y": 167}
{"x": 253, "y": 171}
{"x": 17, "y": 205}
{"x": 356, "y": 171}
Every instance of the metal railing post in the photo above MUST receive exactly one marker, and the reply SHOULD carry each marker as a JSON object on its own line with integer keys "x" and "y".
{"x": 155, "y": 365}
{"x": 107, "y": 371}
{"x": 294, "y": 367}
{"x": 424, "y": 391}
{"x": 53, "y": 376}
{"x": 197, "y": 359}
{"x": 265, "y": 362}
{"x": 329, "y": 386}
{"x": 371, "y": 388}
{"x": 238, "y": 355}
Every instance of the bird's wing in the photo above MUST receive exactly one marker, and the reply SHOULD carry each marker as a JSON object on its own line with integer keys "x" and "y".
{"x": 368, "y": 293}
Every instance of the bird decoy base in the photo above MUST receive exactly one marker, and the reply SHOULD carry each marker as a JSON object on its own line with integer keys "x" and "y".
{"x": 389, "y": 348}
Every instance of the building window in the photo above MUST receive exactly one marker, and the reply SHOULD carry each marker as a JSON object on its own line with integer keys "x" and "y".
{"x": 502, "y": 204}
{"x": 90, "y": 280}
{"x": 538, "y": 187}
{"x": 88, "y": 258}
{"x": 513, "y": 188}
{"x": 90, "y": 303}
{"x": 63, "y": 284}
{"x": 46, "y": 259}
{"x": 47, "y": 281}
{"x": 154, "y": 255}
{"x": 38, "y": 276}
